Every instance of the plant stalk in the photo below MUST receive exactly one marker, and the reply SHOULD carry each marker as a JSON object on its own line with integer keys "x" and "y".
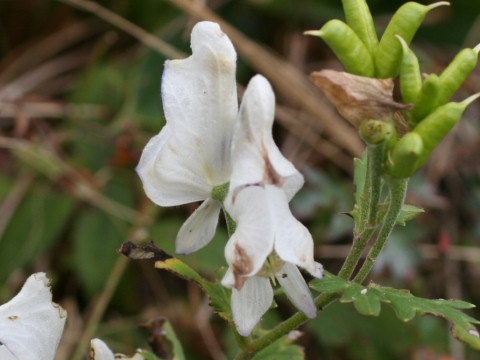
{"x": 398, "y": 189}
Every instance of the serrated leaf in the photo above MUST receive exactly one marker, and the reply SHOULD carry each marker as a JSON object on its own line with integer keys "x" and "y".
{"x": 219, "y": 295}
{"x": 367, "y": 300}
{"x": 329, "y": 283}
{"x": 407, "y": 213}
{"x": 282, "y": 349}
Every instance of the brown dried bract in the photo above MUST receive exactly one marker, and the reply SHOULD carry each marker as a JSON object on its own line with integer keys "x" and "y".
{"x": 150, "y": 251}
{"x": 359, "y": 98}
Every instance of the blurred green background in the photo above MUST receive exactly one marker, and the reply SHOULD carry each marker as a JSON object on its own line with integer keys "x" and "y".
{"x": 79, "y": 98}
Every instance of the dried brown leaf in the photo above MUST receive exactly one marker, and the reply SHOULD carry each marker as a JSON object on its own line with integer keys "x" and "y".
{"x": 359, "y": 98}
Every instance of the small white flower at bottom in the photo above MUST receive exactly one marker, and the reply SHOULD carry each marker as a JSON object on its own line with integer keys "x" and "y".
{"x": 31, "y": 325}
{"x": 256, "y": 296}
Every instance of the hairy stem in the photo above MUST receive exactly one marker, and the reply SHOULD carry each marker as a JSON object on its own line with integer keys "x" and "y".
{"x": 368, "y": 209}
{"x": 284, "y": 328}
{"x": 398, "y": 189}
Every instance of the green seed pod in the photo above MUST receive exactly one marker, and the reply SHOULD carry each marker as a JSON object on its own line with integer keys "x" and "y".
{"x": 456, "y": 72}
{"x": 405, "y": 23}
{"x": 438, "y": 124}
{"x": 410, "y": 77}
{"x": 360, "y": 19}
{"x": 404, "y": 156}
{"x": 348, "y": 47}
{"x": 427, "y": 99}
{"x": 374, "y": 132}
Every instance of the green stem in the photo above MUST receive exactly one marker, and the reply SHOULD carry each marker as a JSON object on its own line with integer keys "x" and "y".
{"x": 284, "y": 328}
{"x": 398, "y": 189}
{"x": 359, "y": 243}
{"x": 368, "y": 209}
{"x": 375, "y": 163}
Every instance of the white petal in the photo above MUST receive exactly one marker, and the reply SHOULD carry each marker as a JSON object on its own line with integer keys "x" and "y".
{"x": 169, "y": 178}
{"x": 250, "y": 303}
{"x": 293, "y": 242}
{"x": 200, "y": 100}
{"x": 252, "y": 241}
{"x": 296, "y": 289}
{"x": 256, "y": 157}
{"x": 254, "y": 124}
{"x": 199, "y": 228}
{"x": 5, "y": 354}
{"x": 30, "y": 324}
{"x": 100, "y": 351}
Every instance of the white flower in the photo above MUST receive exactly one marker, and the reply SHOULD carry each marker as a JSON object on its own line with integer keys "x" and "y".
{"x": 31, "y": 325}
{"x": 262, "y": 184}
{"x": 100, "y": 351}
{"x": 192, "y": 153}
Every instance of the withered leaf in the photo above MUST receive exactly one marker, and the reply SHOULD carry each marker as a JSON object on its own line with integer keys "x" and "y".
{"x": 359, "y": 98}
{"x": 150, "y": 251}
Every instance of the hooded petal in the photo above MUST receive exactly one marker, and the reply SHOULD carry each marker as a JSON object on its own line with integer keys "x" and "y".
{"x": 192, "y": 152}
{"x": 200, "y": 101}
{"x": 199, "y": 228}
{"x": 296, "y": 289}
{"x": 169, "y": 178}
{"x": 31, "y": 323}
{"x": 293, "y": 242}
{"x": 256, "y": 157}
{"x": 250, "y": 303}
{"x": 252, "y": 241}
{"x": 100, "y": 351}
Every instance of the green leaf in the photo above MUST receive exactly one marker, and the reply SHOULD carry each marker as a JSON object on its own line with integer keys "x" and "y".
{"x": 282, "y": 349}
{"x": 34, "y": 227}
{"x": 147, "y": 355}
{"x": 367, "y": 300}
{"x": 96, "y": 238}
{"x": 329, "y": 283}
{"x": 177, "y": 346}
{"x": 163, "y": 339}
{"x": 219, "y": 295}
{"x": 407, "y": 213}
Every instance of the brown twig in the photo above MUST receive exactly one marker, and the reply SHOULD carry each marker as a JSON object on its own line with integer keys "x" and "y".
{"x": 125, "y": 25}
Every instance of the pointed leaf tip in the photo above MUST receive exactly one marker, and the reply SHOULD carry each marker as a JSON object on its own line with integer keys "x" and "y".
{"x": 438, "y": 4}
{"x": 318, "y": 33}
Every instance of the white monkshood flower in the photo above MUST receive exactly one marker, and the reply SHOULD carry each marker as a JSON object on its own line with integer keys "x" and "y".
{"x": 100, "y": 351}
{"x": 268, "y": 241}
{"x": 191, "y": 154}
{"x": 31, "y": 325}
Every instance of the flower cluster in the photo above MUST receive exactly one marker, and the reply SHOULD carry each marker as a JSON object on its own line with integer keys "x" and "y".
{"x": 208, "y": 143}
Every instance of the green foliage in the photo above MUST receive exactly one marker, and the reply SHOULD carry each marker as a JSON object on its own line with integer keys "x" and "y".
{"x": 282, "y": 349}
{"x": 219, "y": 295}
{"x": 33, "y": 228}
{"x": 407, "y": 213}
{"x": 96, "y": 237}
{"x": 367, "y": 300}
